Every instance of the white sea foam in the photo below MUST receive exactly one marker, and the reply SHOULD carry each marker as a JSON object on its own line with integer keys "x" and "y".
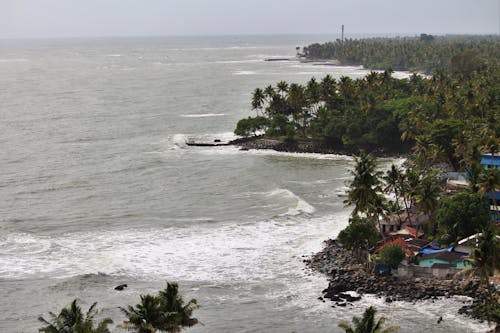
{"x": 179, "y": 141}
{"x": 250, "y": 61}
{"x": 14, "y": 60}
{"x": 244, "y": 73}
{"x": 202, "y": 115}
{"x": 305, "y": 155}
{"x": 224, "y": 253}
{"x": 233, "y": 150}
{"x": 113, "y": 55}
{"x": 298, "y": 205}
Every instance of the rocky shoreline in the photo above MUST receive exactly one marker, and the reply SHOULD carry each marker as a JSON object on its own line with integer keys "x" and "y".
{"x": 304, "y": 146}
{"x": 346, "y": 273}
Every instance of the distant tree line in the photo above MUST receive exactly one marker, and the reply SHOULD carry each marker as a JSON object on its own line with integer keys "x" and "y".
{"x": 426, "y": 53}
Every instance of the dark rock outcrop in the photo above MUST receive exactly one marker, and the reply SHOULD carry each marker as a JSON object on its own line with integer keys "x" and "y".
{"x": 346, "y": 273}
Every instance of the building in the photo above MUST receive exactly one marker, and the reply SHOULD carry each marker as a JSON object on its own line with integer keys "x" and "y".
{"x": 493, "y": 161}
{"x": 444, "y": 259}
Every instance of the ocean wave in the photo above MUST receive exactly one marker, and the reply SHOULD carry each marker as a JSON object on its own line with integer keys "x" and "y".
{"x": 235, "y": 150}
{"x": 246, "y": 251}
{"x": 250, "y": 61}
{"x": 14, "y": 60}
{"x": 244, "y": 73}
{"x": 298, "y": 205}
{"x": 202, "y": 115}
{"x": 179, "y": 141}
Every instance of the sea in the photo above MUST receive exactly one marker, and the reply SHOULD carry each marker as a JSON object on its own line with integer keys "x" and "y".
{"x": 99, "y": 188}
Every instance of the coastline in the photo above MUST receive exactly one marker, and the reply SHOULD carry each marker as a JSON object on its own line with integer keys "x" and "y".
{"x": 306, "y": 146}
{"x": 346, "y": 274}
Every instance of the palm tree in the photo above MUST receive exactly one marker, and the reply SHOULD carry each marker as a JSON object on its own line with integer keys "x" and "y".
{"x": 489, "y": 182}
{"x": 297, "y": 102}
{"x": 282, "y": 87}
{"x": 473, "y": 173}
{"x": 269, "y": 92}
{"x": 364, "y": 189}
{"x": 72, "y": 320}
{"x": 393, "y": 183}
{"x": 367, "y": 324}
{"x": 180, "y": 314}
{"x": 145, "y": 317}
{"x": 486, "y": 255}
{"x": 427, "y": 194}
{"x": 328, "y": 87}
{"x": 165, "y": 312}
{"x": 258, "y": 99}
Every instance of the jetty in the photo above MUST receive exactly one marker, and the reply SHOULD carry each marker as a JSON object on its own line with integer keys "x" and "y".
{"x": 214, "y": 143}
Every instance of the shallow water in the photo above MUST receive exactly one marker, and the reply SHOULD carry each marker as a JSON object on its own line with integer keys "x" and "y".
{"x": 98, "y": 188}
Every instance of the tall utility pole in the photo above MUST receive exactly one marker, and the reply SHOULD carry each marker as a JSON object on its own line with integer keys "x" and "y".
{"x": 342, "y": 33}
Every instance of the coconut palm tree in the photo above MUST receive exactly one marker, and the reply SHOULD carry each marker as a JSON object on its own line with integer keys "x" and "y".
{"x": 364, "y": 189}
{"x": 258, "y": 99}
{"x": 486, "y": 255}
{"x": 473, "y": 173}
{"x": 179, "y": 313}
{"x": 282, "y": 87}
{"x": 367, "y": 324}
{"x": 72, "y": 320}
{"x": 145, "y": 317}
{"x": 297, "y": 101}
{"x": 165, "y": 312}
{"x": 393, "y": 180}
{"x": 489, "y": 182}
{"x": 427, "y": 194}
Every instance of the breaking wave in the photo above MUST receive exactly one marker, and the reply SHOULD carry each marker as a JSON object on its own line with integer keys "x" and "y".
{"x": 298, "y": 205}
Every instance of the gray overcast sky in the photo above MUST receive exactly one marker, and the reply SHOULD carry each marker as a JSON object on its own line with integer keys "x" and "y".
{"x": 88, "y": 18}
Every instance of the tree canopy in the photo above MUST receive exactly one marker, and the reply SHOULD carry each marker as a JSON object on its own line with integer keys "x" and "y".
{"x": 368, "y": 323}
{"x": 461, "y": 215}
{"x": 440, "y": 117}
{"x": 392, "y": 256}
{"x": 426, "y": 53}
{"x": 165, "y": 312}
{"x": 360, "y": 234}
{"x": 71, "y": 319}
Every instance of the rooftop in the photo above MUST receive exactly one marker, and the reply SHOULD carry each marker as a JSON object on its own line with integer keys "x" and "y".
{"x": 489, "y": 159}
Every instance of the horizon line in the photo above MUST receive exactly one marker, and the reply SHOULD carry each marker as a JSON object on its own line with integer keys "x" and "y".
{"x": 374, "y": 34}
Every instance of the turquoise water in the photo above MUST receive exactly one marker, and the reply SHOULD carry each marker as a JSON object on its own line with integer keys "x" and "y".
{"x": 98, "y": 188}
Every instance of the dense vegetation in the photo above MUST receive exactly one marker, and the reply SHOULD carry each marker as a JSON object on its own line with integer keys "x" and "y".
{"x": 442, "y": 116}
{"x": 426, "y": 53}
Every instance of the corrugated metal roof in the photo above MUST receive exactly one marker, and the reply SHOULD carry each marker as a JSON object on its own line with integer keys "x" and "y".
{"x": 489, "y": 159}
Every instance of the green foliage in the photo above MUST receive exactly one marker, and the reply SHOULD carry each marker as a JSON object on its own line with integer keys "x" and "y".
{"x": 250, "y": 126}
{"x": 367, "y": 323}
{"x": 359, "y": 234}
{"x": 165, "y": 312}
{"x": 461, "y": 215}
{"x": 392, "y": 256}
{"x": 364, "y": 189}
{"x": 486, "y": 254}
{"x": 443, "y": 117}
{"x": 72, "y": 320}
{"x": 426, "y": 53}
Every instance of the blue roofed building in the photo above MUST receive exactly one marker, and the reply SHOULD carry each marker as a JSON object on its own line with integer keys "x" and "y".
{"x": 493, "y": 161}
{"x": 490, "y": 161}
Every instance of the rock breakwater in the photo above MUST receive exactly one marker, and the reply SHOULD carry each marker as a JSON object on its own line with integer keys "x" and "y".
{"x": 347, "y": 273}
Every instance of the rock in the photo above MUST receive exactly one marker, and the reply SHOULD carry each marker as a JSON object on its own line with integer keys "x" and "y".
{"x": 121, "y": 287}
